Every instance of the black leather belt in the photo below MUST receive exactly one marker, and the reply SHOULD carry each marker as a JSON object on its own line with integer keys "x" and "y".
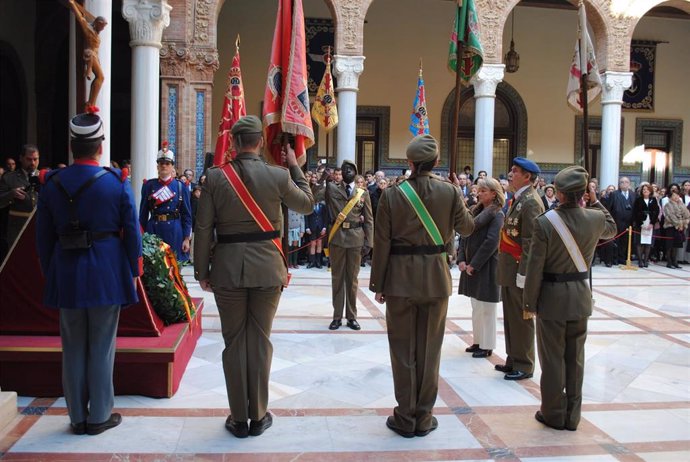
{"x": 350, "y": 225}
{"x": 417, "y": 249}
{"x": 167, "y": 216}
{"x": 247, "y": 237}
{"x": 565, "y": 277}
{"x": 104, "y": 235}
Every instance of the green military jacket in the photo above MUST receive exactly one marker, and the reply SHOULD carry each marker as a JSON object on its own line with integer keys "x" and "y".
{"x": 564, "y": 301}
{"x": 397, "y": 224}
{"x": 518, "y": 224}
{"x": 359, "y": 223}
{"x": 246, "y": 264}
{"x": 11, "y": 181}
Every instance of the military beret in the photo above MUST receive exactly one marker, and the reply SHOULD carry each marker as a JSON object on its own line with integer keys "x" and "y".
{"x": 422, "y": 148}
{"x": 571, "y": 179}
{"x": 527, "y": 165}
{"x": 247, "y": 124}
{"x": 349, "y": 162}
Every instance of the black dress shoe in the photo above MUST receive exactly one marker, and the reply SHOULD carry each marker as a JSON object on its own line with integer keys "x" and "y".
{"x": 257, "y": 427}
{"x": 335, "y": 324}
{"x": 540, "y": 418}
{"x": 353, "y": 324}
{"x": 238, "y": 429}
{"x": 503, "y": 368}
{"x": 390, "y": 423}
{"x": 482, "y": 353}
{"x": 434, "y": 426}
{"x": 517, "y": 375}
{"x": 472, "y": 348}
{"x": 78, "y": 428}
{"x": 95, "y": 429}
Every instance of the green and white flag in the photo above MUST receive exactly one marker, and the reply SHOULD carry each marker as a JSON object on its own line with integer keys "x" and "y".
{"x": 466, "y": 27}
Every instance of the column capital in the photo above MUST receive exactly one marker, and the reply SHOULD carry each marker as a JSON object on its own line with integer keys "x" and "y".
{"x": 347, "y": 71}
{"x": 613, "y": 85}
{"x": 487, "y": 79}
{"x": 147, "y": 19}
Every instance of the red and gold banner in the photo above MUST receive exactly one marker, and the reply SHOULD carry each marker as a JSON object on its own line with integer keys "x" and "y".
{"x": 233, "y": 109}
{"x": 325, "y": 110}
{"x": 286, "y": 99}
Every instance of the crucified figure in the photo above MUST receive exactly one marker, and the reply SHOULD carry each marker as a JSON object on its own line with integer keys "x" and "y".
{"x": 91, "y": 43}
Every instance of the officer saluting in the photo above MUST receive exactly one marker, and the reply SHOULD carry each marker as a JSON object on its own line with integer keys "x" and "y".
{"x": 241, "y": 202}
{"x": 89, "y": 246}
{"x": 556, "y": 289}
{"x": 165, "y": 208}
{"x": 415, "y": 228}
{"x": 513, "y": 251}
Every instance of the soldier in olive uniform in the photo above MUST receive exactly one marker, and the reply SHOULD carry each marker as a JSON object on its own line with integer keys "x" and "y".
{"x": 247, "y": 273}
{"x": 558, "y": 292}
{"x": 409, "y": 272}
{"x": 19, "y": 192}
{"x": 514, "y": 246}
{"x": 345, "y": 248}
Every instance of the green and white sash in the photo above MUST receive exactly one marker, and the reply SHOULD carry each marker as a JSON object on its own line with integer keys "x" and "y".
{"x": 422, "y": 213}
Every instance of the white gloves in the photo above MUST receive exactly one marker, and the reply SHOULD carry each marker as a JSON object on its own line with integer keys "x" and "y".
{"x": 520, "y": 281}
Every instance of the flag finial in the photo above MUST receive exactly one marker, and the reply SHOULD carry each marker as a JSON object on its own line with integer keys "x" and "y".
{"x": 237, "y": 43}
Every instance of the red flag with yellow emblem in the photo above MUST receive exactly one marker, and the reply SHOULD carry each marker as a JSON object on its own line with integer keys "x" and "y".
{"x": 233, "y": 109}
{"x": 286, "y": 99}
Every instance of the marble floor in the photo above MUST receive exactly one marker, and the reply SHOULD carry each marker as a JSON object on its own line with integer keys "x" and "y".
{"x": 331, "y": 391}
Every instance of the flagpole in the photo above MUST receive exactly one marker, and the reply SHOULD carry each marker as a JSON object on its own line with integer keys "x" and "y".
{"x": 586, "y": 154}
{"x": 456, "y": 107}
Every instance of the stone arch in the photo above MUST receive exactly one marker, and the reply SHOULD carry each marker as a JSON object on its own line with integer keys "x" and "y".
{"x": 13, "y": 92}
{"x": 493, "y": 16}
{"x": 506, "y": 93}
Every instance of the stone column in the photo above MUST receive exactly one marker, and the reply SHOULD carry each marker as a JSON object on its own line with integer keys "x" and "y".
{"x": 613, "y": 86}
{"x": 347, "y": 70}
{"x": 103, "y": 8}
{"x": 147, "y": 19}
{"x": 485, "y": 82}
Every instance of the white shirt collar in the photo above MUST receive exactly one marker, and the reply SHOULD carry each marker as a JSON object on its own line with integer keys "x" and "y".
{"x": 520, "y": 191}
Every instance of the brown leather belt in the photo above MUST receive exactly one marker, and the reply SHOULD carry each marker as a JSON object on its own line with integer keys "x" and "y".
{"x": 167, "y": 216}
{"x": 351, "y": 225}
{"x": 15, "y": 213}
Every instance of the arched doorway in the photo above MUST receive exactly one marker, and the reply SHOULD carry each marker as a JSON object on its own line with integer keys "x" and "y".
{"x": 13, "y": 96}
{"x": 510, "y": 128}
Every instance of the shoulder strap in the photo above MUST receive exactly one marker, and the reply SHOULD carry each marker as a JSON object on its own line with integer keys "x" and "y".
{"x": 568, "y": 240}
{"x": 252, "y": 207}
{"x": 344, "y": 212}
{"x": 421, "y": 211}
{"x": 74, "y": 220}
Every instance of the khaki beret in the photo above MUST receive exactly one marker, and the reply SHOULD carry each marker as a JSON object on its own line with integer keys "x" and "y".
{"x": 571, "y": 179}
{"x": 247, "y": 124}
{"x": 422, "y": 148}
{"x": 349, "y": 162}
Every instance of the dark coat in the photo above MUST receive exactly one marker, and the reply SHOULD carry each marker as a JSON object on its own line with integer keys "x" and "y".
{"x": 621, "y": 209}
{"x": 480, "y": 249}
{"x": 102, "y": 274}
{"x": 316, "y": 221}
{"x": 642, "y": 210}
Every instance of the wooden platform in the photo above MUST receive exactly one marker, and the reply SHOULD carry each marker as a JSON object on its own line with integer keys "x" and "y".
{"x": 31, "y": 365}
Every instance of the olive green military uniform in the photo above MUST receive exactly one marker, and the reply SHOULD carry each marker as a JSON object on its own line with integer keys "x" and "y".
{"x": 345, "y": 249}
{"x": 19, "y": 210}
{"x": 519, "y": 332}
{"x": 562, "y": 308}
{"x": 416, "y": 282}
{"x": 247, "y": 277}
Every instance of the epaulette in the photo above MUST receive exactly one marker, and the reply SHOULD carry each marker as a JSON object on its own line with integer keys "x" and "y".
{"x": 120, "y": 174}
{"x": 43, "y": 174}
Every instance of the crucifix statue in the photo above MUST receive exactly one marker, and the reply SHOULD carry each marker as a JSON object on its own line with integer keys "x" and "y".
{"x": 91, "y": 26}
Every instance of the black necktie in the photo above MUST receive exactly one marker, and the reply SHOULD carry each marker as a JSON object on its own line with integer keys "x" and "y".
{"x": 348, "y": 190}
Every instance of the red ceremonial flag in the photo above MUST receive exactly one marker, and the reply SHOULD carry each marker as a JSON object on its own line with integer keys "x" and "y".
{"x": 233, "y": 109}
{"x": 286, "y": 99}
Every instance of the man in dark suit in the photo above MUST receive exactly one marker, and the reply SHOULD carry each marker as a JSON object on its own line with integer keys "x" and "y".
{"x": 621, "y": 208}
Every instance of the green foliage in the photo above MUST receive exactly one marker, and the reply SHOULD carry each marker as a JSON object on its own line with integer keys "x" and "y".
{"x": 160, "y": 288}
